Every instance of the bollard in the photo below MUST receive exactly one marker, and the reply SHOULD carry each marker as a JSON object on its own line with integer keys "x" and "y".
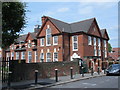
{"x": 82, "y": 72}
{"x": 9, "y": 79}
{"x": 71, "y": 71}
{"x": 36, "y": 77}
{"x": 104, "y": 71}
{"x": 92, "y": 71}
{"x": 98, "y": 70}
{"x": 56, "y": 75}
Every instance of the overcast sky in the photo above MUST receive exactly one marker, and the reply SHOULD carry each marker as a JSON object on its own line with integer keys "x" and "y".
{"x": 106, "y": 14}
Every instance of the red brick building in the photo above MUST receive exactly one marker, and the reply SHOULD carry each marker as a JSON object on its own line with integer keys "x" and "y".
{"x": 115, "y": 54}
{"x": 56, "y": 40}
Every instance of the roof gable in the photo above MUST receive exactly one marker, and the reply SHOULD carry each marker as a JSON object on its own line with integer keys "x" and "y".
{"x": 55, "y": 29}
{"x": 30, "y": 36}
{"x": 104, "y": 34}
{"x": 94, "y": 29}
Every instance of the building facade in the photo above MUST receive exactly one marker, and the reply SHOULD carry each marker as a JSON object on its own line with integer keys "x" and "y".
{"x": 114, "y": 55}
{"x": 56, "y": 40}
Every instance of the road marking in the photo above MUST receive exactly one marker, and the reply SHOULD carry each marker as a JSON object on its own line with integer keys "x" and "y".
{"x": 89, "y": 84}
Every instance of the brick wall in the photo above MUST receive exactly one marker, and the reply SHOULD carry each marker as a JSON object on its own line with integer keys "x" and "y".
{"x": 26, "y": 71}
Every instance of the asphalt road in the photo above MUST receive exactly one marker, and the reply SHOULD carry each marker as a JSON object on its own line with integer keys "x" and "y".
{"x": 98, "y": 82}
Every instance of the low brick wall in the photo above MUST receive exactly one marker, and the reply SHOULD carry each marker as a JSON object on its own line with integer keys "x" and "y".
{"x": 26, "y": 71}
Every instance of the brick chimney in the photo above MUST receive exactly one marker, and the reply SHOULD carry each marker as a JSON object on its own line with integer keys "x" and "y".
{"x": 37, "y": 28}
{"x": 43, "y": 19}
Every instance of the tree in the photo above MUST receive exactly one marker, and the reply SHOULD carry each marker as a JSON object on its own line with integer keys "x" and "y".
{"x": 13, "y": 21}
{"x": 109, "y": 47}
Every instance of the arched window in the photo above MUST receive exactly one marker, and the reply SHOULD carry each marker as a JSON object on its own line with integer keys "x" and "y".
{"x": 23, "y": 46}
{"x": 17, "y": 47}
{"x": 48, "y": 36}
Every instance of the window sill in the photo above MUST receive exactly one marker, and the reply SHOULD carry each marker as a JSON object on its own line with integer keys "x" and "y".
{"x": 55, "y": 44}
{"x": 48, "y": 45}
{"x": 75, "y": 49}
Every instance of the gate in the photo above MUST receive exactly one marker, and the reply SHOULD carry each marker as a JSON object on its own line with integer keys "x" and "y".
{"x": 5, "y": 70}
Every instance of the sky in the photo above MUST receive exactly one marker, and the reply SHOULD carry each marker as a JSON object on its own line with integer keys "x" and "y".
{"x": 106, "y": 14}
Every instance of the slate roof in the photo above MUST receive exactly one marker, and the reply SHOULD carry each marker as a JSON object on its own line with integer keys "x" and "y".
{"x": 33, "y": 35}
{"x": 21, "y": 38}
{"x": 82, "y": 26}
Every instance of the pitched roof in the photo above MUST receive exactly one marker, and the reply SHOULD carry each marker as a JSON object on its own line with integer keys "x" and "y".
{"x": 73, "y": 27}
{"x": 33, "y": 35}
{"x": 21, "y": 38}
{"x": 62, "y": 26}
{"x": 82, "y": 25}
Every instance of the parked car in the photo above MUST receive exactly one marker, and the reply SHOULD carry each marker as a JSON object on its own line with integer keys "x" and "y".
{"x": 113, "y": 69}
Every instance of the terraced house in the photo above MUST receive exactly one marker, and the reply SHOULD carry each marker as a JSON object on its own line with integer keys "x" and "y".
{"x": 56, "y": 40}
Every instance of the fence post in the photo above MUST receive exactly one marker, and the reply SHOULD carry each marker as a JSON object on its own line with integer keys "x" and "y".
{"x": 36, "y": 77}
{"x": 9, "y": 79}
{"x": 56, "y": 75}
{"x": 71, "y": 71}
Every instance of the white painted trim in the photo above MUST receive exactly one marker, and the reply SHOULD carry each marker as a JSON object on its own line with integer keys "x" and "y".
{"x": 35, "y": 52}
{"x": 54, "y": 57}
{"x": 41, "y": 42}
{"x": 54, "y": 39}
{"x": 89, "y": 38}
{"x": 73, "y": 43}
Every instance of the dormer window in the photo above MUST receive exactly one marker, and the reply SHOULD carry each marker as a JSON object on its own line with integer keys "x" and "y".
{"x": 48, "y": 37}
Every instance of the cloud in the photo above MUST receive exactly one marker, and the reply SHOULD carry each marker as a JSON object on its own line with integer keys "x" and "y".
{"x": 85, "y": 10}
{"x": 62, "y": 9}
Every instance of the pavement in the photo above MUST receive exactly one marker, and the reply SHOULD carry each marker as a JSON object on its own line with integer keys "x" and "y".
{"x": 48, "y": 82}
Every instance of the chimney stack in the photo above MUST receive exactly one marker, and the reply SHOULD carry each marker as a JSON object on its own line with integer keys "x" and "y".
{"x": 37, "y": 28}
{"x": 43, "y": 19}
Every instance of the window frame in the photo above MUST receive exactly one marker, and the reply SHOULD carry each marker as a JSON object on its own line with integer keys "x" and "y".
{"x": 47, "y": 57}
{"x": 42, "y": 41}
{"x": 54, "y": 40}
{"x": 95, "y": 41}
{"x": 54, "y": 56}
{"x": 75, "y": 42}
{"x": 29, "y": 55}
{"x": 48, "y": 34}
{"x": 17, "y": 55}
{"x": 23, "y": 55}
{"x": 40, "y": 56}
{"x": 89, "y": 40}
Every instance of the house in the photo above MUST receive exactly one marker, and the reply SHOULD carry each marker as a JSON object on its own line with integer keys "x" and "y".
{"x": 56, "y": 40}
{"x": 115, "y": 54}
